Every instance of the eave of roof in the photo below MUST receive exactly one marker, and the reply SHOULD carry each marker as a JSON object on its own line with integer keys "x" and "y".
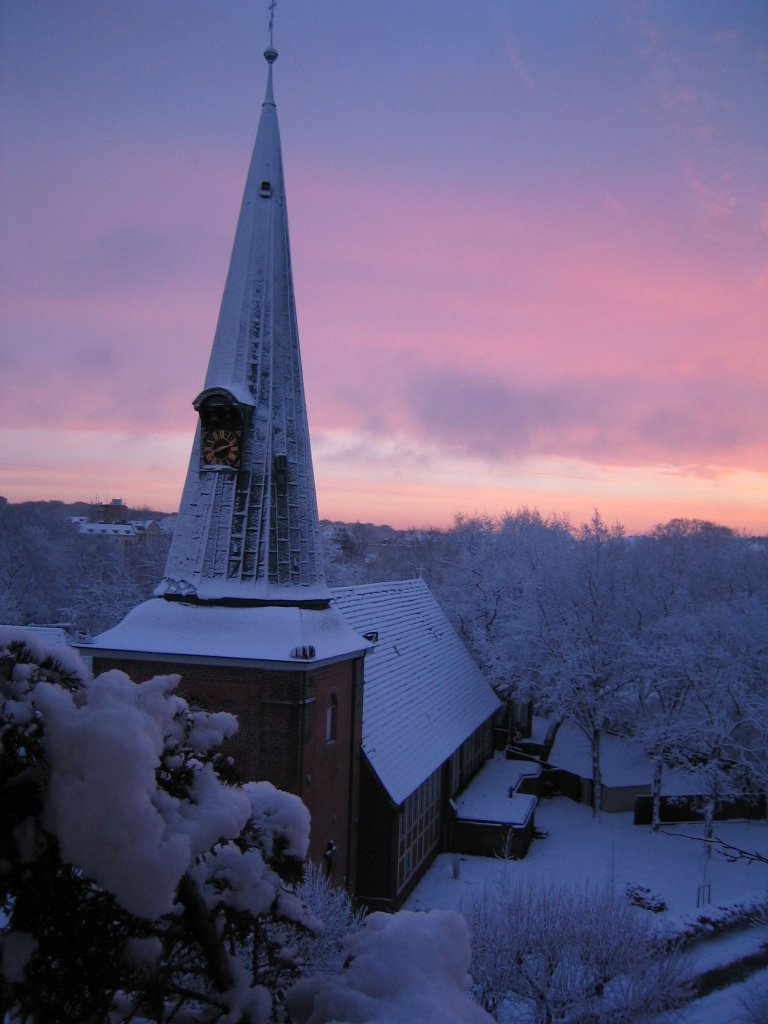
{"x": 248, "y": 635}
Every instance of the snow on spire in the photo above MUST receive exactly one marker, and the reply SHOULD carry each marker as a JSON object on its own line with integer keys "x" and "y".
{"x": 248, "y": 525}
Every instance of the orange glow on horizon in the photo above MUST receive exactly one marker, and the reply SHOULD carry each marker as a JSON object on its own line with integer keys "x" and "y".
{"x": 551, "y": 291}
{"x": 391, "y": 484}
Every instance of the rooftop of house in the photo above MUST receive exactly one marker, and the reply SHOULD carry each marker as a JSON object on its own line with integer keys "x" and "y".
{"x": 623, "y": 762}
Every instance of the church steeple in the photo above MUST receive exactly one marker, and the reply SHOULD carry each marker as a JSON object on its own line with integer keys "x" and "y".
{"x": 248, "y": 528}
{"x": 243, "y": 614}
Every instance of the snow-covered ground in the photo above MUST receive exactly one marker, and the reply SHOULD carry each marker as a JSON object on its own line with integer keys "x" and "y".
{"x": 580, "y": 851}
{"x": 722, "y": 1007}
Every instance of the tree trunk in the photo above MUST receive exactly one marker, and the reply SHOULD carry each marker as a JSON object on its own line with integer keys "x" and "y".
{"x": 709, "y": 824}
{"x": 656, "y": 791}
{"x": 597, "y": 779}
{"x": 204, "y": 930}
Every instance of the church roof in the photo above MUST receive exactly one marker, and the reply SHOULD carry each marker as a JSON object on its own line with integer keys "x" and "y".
{"x": 266, "y": 636}
{"x": 424, "y": 695}
{"x": 251, "y": 532}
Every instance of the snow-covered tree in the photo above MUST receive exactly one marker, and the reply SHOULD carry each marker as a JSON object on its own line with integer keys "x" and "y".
{"x": 751, "y": 615}
{"x": 583, "y": 637}
{"x": 51, "y": 573}
{"x": 543, "y": 954}
{"x": 717, "y": 658}
{"x": 138, "y": 882}
{"x": 325, "y": 952}
{"x": 664, "y": 688}
{"x": 103, "y": 589}
{"x": 489, "y": 585}
{"x": 34, "y": 545}
{"x": 406, "y": 968}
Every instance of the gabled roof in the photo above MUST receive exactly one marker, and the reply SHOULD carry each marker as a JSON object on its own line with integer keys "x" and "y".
{"x": 252, "y": 533}
{"x": 424, "y": 695}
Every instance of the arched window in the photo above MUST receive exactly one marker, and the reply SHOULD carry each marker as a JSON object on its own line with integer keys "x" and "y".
{"x": 331, "y": 714}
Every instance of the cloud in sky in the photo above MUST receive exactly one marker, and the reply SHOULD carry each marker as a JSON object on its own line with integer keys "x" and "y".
{"x": 527, "y": 241}
{"x": 614, "y": 421}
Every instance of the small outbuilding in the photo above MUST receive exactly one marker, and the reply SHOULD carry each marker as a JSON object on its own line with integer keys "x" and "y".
{"x": 494, "y": 816}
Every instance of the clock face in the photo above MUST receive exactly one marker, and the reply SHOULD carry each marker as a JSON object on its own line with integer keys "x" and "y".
{"x": 221, "y": 447}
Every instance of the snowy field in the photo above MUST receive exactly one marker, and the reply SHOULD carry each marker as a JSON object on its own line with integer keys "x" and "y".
{"x": 614, "y": 850}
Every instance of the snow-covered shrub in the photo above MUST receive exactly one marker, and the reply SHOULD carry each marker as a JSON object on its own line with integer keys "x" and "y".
{"x": 643, "y": 897}
{"x": 325, "y": 952}
{"x": 406, "y": 968}
{"x": 137, "y": 881}
{"x": 550, "y": 953}
{"x": 754, "y": 1001}
{"x": 752, "y": 910}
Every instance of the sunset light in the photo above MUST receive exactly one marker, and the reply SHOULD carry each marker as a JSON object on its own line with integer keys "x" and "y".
{"x": 530, "y": 249}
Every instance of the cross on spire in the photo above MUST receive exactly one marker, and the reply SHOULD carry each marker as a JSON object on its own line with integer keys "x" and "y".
{"x": 272, "y": 5}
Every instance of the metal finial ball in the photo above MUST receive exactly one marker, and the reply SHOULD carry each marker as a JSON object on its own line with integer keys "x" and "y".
{"x": 270, "y": 55}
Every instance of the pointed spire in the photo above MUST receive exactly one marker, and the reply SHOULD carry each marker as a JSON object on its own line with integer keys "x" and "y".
{"x": 270, "y": 54}
{"x": 248, "y": 527}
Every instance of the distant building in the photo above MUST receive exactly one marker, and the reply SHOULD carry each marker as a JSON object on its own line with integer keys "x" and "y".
{"x": 122, "y": 533}
{"x": 110, "y": 520}
{"x": 114, "y": 511}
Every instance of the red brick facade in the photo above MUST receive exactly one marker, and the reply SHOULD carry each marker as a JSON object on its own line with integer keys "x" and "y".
{"x": 299, "y": 729}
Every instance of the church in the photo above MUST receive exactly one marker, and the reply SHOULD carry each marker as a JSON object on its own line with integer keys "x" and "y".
{"x": 361, "y": 700}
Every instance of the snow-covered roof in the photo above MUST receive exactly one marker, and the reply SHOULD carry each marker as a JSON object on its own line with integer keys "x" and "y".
{"x": 488, "y": 797}
{"x": 260, "y": 635}
{"x": 622, "y": 761}
{"x": 56, "y": 635}
{"x": 108, "y": 529}
{"x": 424, "y": 695}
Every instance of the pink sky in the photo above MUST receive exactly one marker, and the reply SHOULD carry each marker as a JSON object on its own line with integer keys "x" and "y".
{"x": 530, "y": 249}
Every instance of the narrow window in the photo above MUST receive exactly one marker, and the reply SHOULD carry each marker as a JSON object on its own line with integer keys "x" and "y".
{"x": 331, "y": 713}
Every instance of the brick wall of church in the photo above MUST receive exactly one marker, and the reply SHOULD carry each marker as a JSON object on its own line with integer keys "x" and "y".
{"x": 331, "y": 768}
{"x": 283, "y": 737}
